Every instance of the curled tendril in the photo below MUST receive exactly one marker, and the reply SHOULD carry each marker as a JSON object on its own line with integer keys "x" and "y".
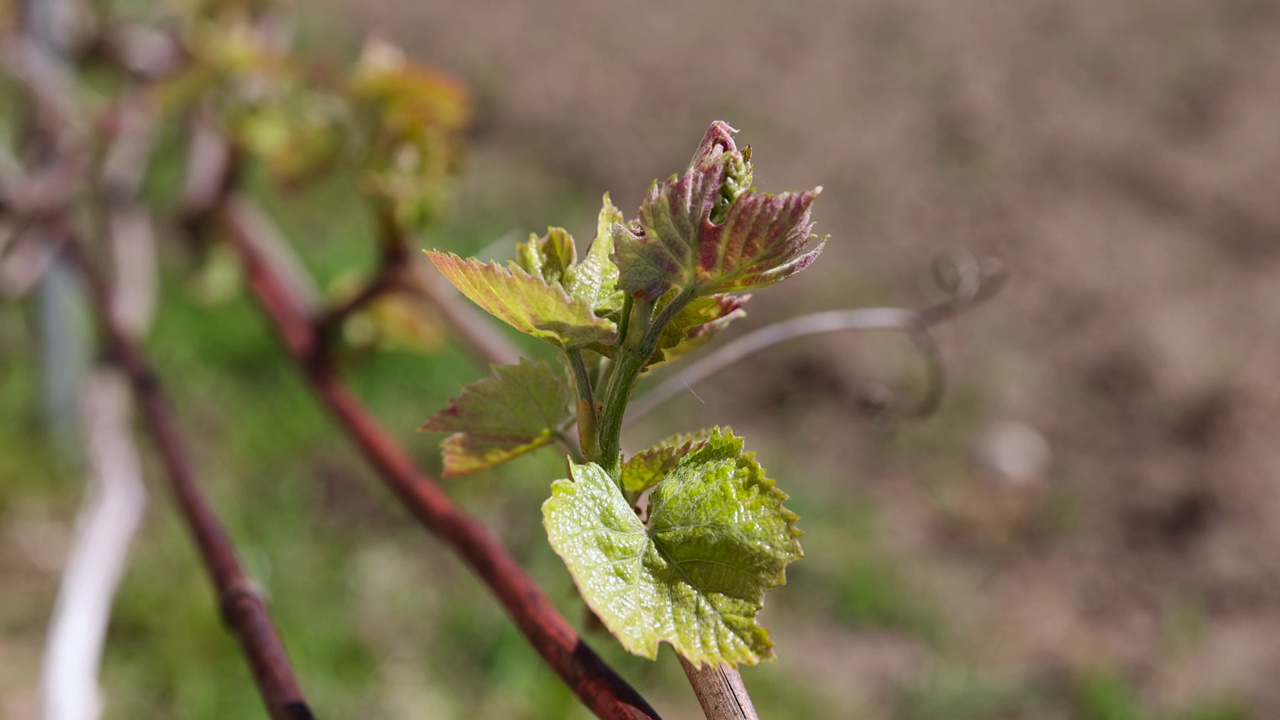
{"x": 965, "y": 281}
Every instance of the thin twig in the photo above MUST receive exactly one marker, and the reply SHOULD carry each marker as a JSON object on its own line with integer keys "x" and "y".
{"x": 241, "y": 600}
{"x": 209, "y": 167}
{"x": 42, "y": 74}
{"x": 598, "y": 687}
{"x": 129, "y": 227}
{"x": 976, "y": 283}
{"x": 588, "y": 434}
{"x": 147, "y": 53}
{"x": 393, "y": 257}
{"x": 770, "y": 335}
{"x": 270, "y": 242}
{"x": 384, "y": 282}
{"x": 24, "y": 259}
{"x": 136, "y": 260}
{"x": 46, "y": 191}
{"x": 403, "y": 269}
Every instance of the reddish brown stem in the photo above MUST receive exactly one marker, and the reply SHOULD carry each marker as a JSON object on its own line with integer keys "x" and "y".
{"x": 600, "y": 689}
{"x": 331, "y": 321}
{"x": 391, "y": 265}
{"x": 242, "y": 603}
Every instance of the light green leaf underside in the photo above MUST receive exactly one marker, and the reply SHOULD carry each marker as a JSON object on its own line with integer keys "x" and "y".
{"x": 513, "y": 411}
{"x": 694, "y": 575}
{"x": 595, "y": 279}
{"x": 695, "y": 324}
{"x": 525, "y": 302}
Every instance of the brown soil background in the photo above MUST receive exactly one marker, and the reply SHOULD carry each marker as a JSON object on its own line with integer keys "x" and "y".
{"x": 1120, "y": 157}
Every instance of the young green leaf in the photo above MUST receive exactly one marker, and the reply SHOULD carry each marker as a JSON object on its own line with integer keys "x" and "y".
{"x": 693, "y": 575}
{"x": 595, "y": 280}
{"x": 703, "y": 231}
{"x": 547, "y": 257}
{"x": 525, "y": 302}
{"x": 644, "y": 469}
{"x": 512, "y": 412}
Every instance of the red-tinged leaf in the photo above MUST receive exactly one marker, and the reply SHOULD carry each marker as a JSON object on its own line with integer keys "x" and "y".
{"x": 657, "y": 253}
{"x": 514, "y": 411}
{"x": 696, "y": 323}
{"x": 526, "y": 303}
{"x": 706, "y": 231}
{"x": 762, "y": 241}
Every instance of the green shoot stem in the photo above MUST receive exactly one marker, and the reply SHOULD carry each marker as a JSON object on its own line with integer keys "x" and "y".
{"x": 634, "y": 351}
{"x": 605, "y": 376}
{"x": 625, "y": 323}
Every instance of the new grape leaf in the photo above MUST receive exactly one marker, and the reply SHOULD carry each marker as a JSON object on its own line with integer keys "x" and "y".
{"x": 547, "y": 257}
{"x": 513, "y": 411}
{"x": 696, "y": 323}
{"x": 526, "y": 302}
{"x": 695, "y": 572}
{"x": 595, "y": 279}
{"x": 704, "y": 231}
{"x": 644, "y": 469}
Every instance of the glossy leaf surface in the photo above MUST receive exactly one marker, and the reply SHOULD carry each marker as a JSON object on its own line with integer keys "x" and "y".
{"x": 645, "y": 469}
{"x": 694, "y": 574}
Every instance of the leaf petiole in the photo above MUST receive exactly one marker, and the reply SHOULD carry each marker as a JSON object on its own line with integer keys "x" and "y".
{"x": 566, "y": 442}
{"x": 625, "y": 322}
{"x": 588, "y": 432}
